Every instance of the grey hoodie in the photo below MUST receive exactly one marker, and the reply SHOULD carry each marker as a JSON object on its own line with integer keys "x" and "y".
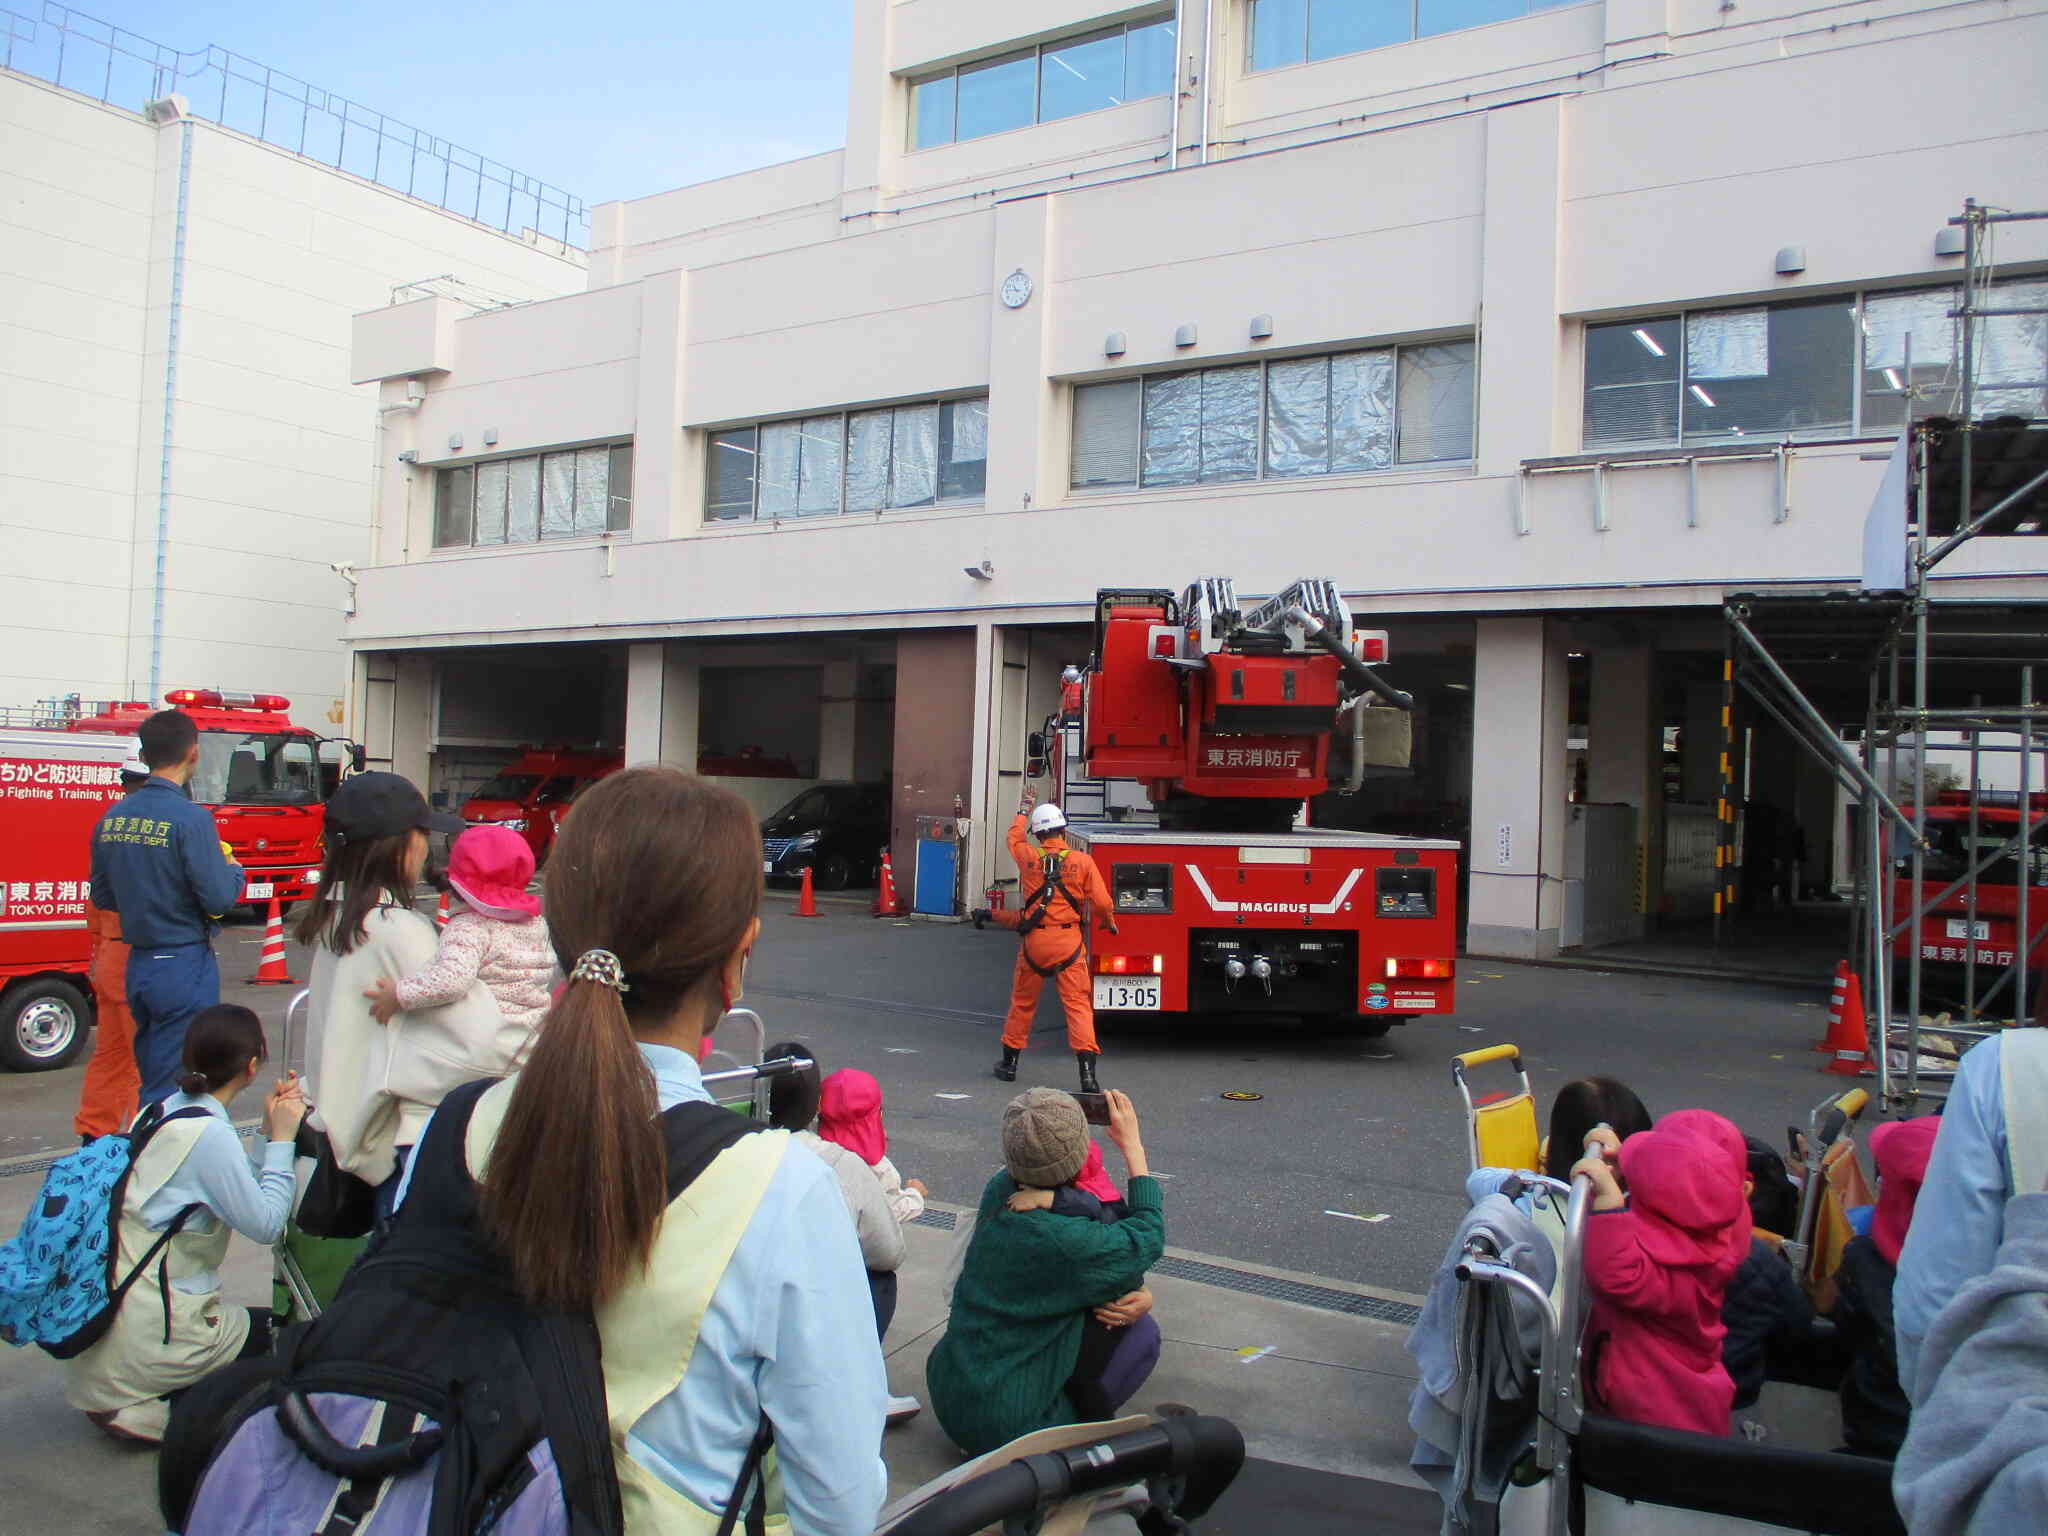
{"x": 1976, "y": 1455}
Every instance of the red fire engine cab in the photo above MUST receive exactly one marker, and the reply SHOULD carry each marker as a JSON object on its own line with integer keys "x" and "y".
{"x": 265, "y": 779}
{"x": 1990, "y": 926}
{"x": 1226, "y": 902}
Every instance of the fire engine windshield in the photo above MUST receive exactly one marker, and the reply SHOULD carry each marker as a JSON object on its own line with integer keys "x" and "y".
{"x": 1950, "y": 856}
{"x": 514, "y": 787}
{"x": 262, "y": 768}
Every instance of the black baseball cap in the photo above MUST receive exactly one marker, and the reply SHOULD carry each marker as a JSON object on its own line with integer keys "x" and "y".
{"x": 372, "y": 805}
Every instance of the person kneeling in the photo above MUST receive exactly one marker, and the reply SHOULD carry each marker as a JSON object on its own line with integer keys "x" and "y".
{"x": 194, "y": 1183}
{"x": 1051, "y": 1323}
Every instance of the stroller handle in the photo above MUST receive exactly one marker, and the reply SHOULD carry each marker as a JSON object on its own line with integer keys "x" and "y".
{"x": 1206, "y": 1452}
{"x": 1465, "y": 1062}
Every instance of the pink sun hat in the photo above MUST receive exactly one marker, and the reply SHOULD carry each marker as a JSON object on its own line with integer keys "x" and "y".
{"x": 490, "y": 868}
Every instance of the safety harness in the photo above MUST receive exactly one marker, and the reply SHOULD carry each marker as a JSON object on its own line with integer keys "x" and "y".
{"x": 1035, "y": 909}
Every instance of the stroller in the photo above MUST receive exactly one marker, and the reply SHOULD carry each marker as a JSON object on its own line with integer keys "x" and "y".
{"x": 1593, "y": 1475}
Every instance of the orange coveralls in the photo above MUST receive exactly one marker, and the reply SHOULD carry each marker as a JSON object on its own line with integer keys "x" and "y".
{"x": 1059, "y": 935}
{"x": 107, "y": 1097}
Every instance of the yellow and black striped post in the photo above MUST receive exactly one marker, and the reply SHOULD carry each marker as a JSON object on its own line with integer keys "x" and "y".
{"x": 1724, "y": 805}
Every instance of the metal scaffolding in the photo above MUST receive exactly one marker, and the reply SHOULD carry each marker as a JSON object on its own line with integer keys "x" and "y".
{"x": 1922, "y": 663}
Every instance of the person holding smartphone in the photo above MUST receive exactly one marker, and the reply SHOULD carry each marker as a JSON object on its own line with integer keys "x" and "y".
{"x": 1051, "y": 1321}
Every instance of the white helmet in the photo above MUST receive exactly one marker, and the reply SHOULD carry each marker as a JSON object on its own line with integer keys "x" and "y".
{"x": 1047, "y": 818}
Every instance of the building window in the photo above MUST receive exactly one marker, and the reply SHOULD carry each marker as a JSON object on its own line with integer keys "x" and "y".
{"x": 1808, "y": 366}
{"x": 1303, "y": 31}
{"x": 578, "y": 493}
{"x": 1346, "y": 413}
{"x": 1044, "y": 83}
{"x": 850, "y": 461}
{"x": 2011, "y": 354}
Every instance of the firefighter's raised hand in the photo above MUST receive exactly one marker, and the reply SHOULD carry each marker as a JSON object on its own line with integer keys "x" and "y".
{"x": 1028, "y": 800}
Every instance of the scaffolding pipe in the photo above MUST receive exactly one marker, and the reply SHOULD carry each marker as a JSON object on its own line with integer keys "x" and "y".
{"x": 1968, "y": 527}
{"x": 1878, "y": 1022}
{"x": 2023, "y": 937}
{"x": 1815, "y": 723}
{"x": 1970, "y": 899}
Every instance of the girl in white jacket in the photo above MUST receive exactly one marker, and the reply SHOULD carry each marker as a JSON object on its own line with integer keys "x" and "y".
{"x": 373, "y": 1085}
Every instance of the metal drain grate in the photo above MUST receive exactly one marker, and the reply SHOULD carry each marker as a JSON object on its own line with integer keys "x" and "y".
{"x": 1301, "y": 1293}
{"x": 1326, "y": 1298}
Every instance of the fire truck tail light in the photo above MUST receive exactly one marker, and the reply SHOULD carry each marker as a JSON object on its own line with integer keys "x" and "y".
{"x": 1418, "y": 970}
{"x": 204, "y": 697}
{"x": 1372, "y": 645}
{"x": 1130, "y": 965}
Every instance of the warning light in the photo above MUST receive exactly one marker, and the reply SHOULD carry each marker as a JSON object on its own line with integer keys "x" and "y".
{"x": 1415, "y": 969}
{"x": 1372, "y": 645}
{"x": 1130, "y": 965}
{"x": 1162, "y": 645}
{"x": 203, "y": 697}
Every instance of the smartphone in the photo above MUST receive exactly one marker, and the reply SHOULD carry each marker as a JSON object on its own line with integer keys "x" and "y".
{"x": 1094, "y": 1107}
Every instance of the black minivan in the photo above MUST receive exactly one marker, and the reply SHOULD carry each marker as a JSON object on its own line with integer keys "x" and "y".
{"x": 837, "y": 831}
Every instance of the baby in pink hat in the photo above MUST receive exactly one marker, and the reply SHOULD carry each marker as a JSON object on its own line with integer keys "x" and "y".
{"x": 498, "y": 938}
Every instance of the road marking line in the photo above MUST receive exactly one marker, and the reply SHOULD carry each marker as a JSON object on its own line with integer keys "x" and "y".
{"x": 901, "y": 1050}
{"x": 1354, "y": 1216}
{"x": 952, "y": 1095}
{"x": 1253, "y": 1352}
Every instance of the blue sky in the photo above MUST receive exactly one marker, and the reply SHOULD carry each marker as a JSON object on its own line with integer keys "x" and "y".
{"x": 605, "y": 101}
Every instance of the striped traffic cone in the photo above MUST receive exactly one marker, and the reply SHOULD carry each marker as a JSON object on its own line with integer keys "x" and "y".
{"x": 441, "y": 912}
{"x": 1839, "y": 991}
{"x": 806, "y": 899}
{"x": 271, "y": 972}
{"x": 886, "y": 902}
{"x": 1848, "y": 1039}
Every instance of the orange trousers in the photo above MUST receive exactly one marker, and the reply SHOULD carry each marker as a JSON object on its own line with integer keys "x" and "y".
{"x": 107, "y": 1097}
{"x": 1049, "y": 946}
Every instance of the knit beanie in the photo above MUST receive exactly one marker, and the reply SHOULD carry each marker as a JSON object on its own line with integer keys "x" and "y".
{"x": 1045, "y": 1138}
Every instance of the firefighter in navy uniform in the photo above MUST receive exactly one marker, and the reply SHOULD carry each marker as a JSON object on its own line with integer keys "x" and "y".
{"x": 1061, "y": 891}
{"x": 158, "y": 862}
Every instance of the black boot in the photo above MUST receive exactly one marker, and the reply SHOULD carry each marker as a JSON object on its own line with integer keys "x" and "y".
{"x": 980, "y": 916}
{"x": 1006, "y": 1069}
{"x": 1086, "y": 1060}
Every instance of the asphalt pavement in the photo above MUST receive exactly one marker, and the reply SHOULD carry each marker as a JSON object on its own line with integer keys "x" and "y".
{"x": 1343, "y": 1166}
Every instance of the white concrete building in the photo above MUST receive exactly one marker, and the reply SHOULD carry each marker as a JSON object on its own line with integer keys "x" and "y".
{"x": 1269, "y": 288}
{"x": 182, "y": 457}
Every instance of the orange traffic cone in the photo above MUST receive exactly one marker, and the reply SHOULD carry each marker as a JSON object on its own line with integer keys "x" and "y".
{"x": 271, "y": 972}
{"x": 441, "y": 912}
{"x": 806, "y": 899}
{"x": 1839, "y": 991}
{"x": 1848, "y": 1042}
{"x": 886, "y": 902}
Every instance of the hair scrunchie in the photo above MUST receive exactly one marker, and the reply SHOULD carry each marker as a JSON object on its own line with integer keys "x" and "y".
{"x": 602, "y": 967}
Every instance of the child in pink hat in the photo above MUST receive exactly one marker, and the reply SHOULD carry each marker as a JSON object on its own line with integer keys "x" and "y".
{"x": 498, "y": 938}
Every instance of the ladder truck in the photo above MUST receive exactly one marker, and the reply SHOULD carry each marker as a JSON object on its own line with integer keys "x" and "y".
{"x": 1227, "y": 903}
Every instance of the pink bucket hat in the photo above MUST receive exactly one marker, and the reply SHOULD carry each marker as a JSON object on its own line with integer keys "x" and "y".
{"x": 490, "y": 867}
{"x": 850, "y": 1113}
{"x": 1900, "y": 1148}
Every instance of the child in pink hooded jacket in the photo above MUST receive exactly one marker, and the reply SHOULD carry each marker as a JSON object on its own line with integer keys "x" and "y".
{"x": 1658, "y": 1262}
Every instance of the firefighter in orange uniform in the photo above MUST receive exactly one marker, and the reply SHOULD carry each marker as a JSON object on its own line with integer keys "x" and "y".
{"x": 1061, "y": 891}
{"x": 107, "y": 1098}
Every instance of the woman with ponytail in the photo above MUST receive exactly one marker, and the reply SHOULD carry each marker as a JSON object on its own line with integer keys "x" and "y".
{"x": 745, "y": 1298}
{"x": 192, "y": 1181}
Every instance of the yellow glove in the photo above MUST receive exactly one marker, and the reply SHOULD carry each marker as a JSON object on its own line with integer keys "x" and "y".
{"x": 229, "y": 854}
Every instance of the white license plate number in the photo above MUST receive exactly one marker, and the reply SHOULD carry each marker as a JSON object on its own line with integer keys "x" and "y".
{"x": 767, "y": 866}
{"x": 1121, "y": 994}
{"x": 260, "y": 892}
{"x": 1959, "y": 928}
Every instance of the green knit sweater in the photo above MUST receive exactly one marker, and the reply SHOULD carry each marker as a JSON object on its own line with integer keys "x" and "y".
{"x": 1024, "y": 1294}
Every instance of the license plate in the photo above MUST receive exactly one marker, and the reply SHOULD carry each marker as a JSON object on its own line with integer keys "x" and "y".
{"x": 1959, "y": 928}
{"x": 262, "y": 892}
{"x": 767, "y": 866}
{"x": 1119, "y": 994}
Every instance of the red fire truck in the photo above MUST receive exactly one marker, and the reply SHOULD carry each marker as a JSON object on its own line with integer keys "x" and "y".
{"x": 532, "y": 793}
{"x": 1944, "y": 934}
{"x": 265, "y": 779}
{"x": 54, "y": 786}
{"x": 1227, "y": 904}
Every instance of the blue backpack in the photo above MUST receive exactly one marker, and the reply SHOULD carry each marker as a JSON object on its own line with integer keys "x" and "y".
{"x": 57, "y": 1283}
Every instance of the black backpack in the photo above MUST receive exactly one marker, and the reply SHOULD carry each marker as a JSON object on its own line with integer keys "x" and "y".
{"x": 431, "y": 1399}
